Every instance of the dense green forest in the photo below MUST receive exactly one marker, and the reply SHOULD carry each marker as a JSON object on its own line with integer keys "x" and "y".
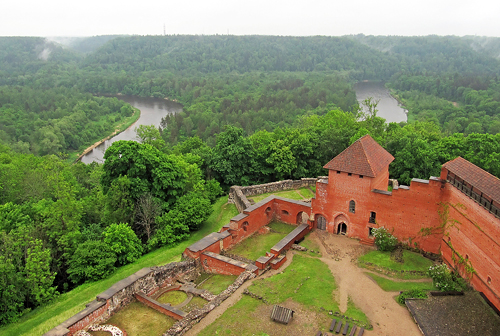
{"x": 256, "y": 109}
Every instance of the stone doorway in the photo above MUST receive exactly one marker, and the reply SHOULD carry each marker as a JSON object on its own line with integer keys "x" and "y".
{"x": 342, "y": 229}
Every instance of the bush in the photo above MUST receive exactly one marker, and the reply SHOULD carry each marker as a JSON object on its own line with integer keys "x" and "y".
{"x": 384, "y": 240}
{"x": 411, "y": 294}
{"x": 445, "y": 280}
{"x": 92, "y": 260}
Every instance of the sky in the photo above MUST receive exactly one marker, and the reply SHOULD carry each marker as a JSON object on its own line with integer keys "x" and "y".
{"x": 261, "y": 17}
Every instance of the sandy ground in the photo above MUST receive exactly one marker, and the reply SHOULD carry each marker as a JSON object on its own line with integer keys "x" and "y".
{"x": 386, "y": 315}
{"x": 339, "y": 253}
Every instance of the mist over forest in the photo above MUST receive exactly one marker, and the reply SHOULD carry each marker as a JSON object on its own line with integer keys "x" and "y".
{"x": 256, "y": 109}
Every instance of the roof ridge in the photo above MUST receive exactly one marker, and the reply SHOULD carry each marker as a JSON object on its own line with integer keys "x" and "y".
{"x": 366, "y": 154}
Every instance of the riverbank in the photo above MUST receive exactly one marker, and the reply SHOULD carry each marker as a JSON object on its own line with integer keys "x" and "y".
{"x": 129, "y": 122}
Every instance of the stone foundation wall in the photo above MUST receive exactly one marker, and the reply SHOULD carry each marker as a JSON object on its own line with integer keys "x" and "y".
{"x": 147, "y": 280}
{"x": 182, "y": 326}
{"x": 238, "y": 195}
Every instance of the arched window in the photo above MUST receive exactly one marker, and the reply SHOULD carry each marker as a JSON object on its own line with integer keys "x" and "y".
{"x": 352, "y": 206}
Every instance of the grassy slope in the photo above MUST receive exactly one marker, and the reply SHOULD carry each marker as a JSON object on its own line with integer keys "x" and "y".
{"x": 396, "y": 286}
{"x": 66, "y": 305}
{"x": 412, "y": 261}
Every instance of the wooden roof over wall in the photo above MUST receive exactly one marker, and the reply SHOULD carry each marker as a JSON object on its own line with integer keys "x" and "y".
{"x": 480, "y": 179}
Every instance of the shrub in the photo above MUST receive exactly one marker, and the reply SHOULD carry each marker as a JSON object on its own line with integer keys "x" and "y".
{"x": 411, "y": 294}
{"x": 384, "y": 240}
{"x": 445, "y": 280}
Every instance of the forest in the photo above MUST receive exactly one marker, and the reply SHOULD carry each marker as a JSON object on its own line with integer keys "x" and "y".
{"x": 256, "y": 109}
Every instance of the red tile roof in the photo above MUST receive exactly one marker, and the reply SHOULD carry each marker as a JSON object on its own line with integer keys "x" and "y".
{"x": 475, "y": 176}
{"x": 364, "y": 157}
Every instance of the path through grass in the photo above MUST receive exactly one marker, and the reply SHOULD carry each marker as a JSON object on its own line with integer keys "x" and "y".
{"x": 68, "y": 304}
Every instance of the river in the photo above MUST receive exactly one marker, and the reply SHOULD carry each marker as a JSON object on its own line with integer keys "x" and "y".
{"x": 388, "y": 107}
{"x": 152, "y": 111}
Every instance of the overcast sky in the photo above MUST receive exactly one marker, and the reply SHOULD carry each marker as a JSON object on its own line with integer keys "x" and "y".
{"x": 263, "y": 17}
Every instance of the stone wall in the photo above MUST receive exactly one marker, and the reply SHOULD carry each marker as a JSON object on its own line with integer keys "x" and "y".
{"x": 147, "y": 280}
{"x": 182, "y": 326}
{"x": 238, "y": 195}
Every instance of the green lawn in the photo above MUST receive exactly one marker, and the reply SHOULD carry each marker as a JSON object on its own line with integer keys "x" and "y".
{"x": 258, "y": 244}
{"x": 306, "y": 280}
{"x": 311, "y": 245}
{"x": 397, "y": 286}
{"x": 66, "y": 305}
{"x": 236, "y": 320}
{"x": 295, "y": 194}
{"x": 138, "y": 319}
{"x": 174, "y": 297}
{"x": 412, "y": 261}
{"x": 195, "y": 303}
{"x": 217, "y": 283}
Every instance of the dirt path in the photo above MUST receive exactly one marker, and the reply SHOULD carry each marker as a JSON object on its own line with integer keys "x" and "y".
{"x": 386, "y": 316}
{"x": 229, "y": 302}
{"x": 339, "y": 254}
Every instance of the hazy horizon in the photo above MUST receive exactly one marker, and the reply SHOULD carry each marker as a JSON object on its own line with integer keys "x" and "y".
{"x": 55, "y": 18}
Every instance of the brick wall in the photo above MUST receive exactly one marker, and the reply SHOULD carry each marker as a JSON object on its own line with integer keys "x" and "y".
{"x": 215, "y": 263}
{"x": 473, "y": 233}
{"x": 406, "y": 211}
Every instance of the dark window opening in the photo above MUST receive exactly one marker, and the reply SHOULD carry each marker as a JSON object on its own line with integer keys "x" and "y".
{"x": 372, "y": 217}
{"x": 489, "y": 280}
{"x": 338, "y": 171}
{"x": 360, "y": 176}
{"x": 245, "y": 226}
{"x": 352, "y": 206}
{"x": 349, "y": 174}
{"x": 284, "y": 212}
{"x": 370, "y": 232}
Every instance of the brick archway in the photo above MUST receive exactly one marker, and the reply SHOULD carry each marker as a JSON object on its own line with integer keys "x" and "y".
{"x": 341, "y": 225}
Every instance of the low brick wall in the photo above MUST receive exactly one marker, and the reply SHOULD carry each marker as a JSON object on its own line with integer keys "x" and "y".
{"x": 238, "y": 195}
{"x": 290, "y": 239}
{"x": 147, "y": 280}
{"x": 216, "y": 263}
{"x": 158, "y": 306}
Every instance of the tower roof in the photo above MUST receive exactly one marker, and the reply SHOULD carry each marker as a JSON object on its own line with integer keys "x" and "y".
{"x": 364, "y": 157}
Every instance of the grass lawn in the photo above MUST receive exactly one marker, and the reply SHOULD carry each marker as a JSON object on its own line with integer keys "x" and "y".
{"x": 138, "y": 319}
{"x": 306, "y": 284}
{"x": 412, "y": 261}
{"x": 236, "y": 320}
{"x": 311, "y": 245}
{"x": 258, "y": 244}
{"x": 42, "y": 319}
{"x": 195, "y": 303}
{"x": 217, "y": 283}
{"x": 174, "y": 297}
{"x": 307, "y": 281}
{"x": 295, "y": 194}
{"x": 397, "y": 286}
